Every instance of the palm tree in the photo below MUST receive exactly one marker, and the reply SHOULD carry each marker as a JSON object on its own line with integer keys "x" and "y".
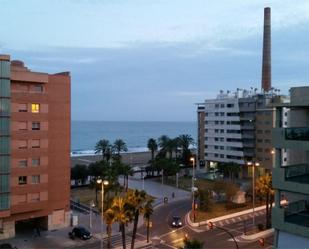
{"x": 185, "y": 141}
{"x": 171, "y": 146}
{"x": 109, "y": 217}
{"x": 163, "y": 144}
{"x": 148, "y": 211}
{"x": 152, "y": 146}
{"x": 137, "y": 200}
{"x": 119, "y": 146}
{"x": 103, "y": 146}
{"x": 123, "y": 215}
{"x": 263, "y": 186}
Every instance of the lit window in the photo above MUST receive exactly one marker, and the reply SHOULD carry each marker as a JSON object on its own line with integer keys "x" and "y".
{"x": 35, "y": 162}
{"x": 36, "y": 126}
{"x": 23, "y": 163}
{"x": 35, "y": 108}
{"x": 35, "y": 179}
{"x": 22, "y": 180}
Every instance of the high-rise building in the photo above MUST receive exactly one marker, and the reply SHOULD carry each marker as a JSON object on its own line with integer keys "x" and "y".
{"x": 34, "y": 148}
{"x": 290, "y": 217}
{"x": 236, "y": 127}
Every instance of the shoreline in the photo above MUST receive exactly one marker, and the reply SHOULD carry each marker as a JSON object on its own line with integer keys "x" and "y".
{"x": 132, "y": 158}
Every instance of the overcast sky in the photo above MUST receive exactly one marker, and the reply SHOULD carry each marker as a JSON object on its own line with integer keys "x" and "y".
{"x": 153, "y": 59}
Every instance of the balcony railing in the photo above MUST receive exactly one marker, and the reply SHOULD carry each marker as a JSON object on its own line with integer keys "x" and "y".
{"x": 297, "y": 173}
{"x": 297, "y": 213}
{"x": 297, "y": 133}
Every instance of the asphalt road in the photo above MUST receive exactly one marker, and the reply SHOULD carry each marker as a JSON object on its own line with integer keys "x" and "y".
{"x": 216, "y": 238}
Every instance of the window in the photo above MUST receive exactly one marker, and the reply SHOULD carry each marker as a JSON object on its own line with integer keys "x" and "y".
{"x": 216, "y": 155}
{"x": 34, "y": 197}
{"x": 230, "y": 105}
{"x": 267, "y": 141}
{"x": 221, "y": 155}
{"x": 36, "y": 162}
{"x": 38, "y": 88}
{"x": 221, "y": 131}
{"x": 221, "y": 147}
{"x": 35, "y": 108}
{"x": 259, "y": 131}
{"x": 22, "y": 144}
{"x": 35, "y": 143}
{"x": 216, "y": 105}
{"x": 22, "y": 108}
{"x": 216, "y": 147}
{"x": 22, "y": 126}
{"x": 22, "y": 163}
{"x": 206, "y": 130}
{"x": 221, "y": 114}
{"x": 36, "y": 126}
{"x": 216, "y": 139}
{"x": 222, "y": 122}
{"x": 216, "y": 130}
{"x": 22, "y": 180}
{"x": 221, "y": 139}
{"x": 217, "y": 114}
{"x": 35, "y": 179}
{"x": 206, "y": 122}
{"x": 222, "y": 105}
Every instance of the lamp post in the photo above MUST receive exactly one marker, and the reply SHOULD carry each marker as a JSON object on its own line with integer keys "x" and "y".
{"x": 103, "y": 183}
{"x": 192, "y": 159}
{"x": 90, "y": 213}
{"x": 253, "y": 164}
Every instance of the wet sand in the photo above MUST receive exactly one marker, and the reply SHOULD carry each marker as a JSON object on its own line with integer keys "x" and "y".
{"x": 134, "y": 158}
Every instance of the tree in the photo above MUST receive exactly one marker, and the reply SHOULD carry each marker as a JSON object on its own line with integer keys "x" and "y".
{"x": 263, "y": 186}
{"x": 169, "y": 166}
{"x": 119, "y": 146}
{"x": 148, "y": 211}
{"x": 137, "y": 200}
{"x": 163, "y": 144}
{"x": 103, "y": 146}
{"x": 123, "y": 215}
{"x": 110, "y": 218}
{"x": 192, "y": 244}
{"x": 79, "y": 173}
{"x": 230, "y": 169}
{"x": 152, "y": 146}
{"x": 125, "y": 170}
{"x": 185, "y": 141}
{"x": 205, "y": 200}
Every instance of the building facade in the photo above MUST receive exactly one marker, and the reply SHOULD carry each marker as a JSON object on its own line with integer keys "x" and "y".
{"x": 291, "y": 179}
{"x": 34, "y": 148}
{"x": 237, "y": 128}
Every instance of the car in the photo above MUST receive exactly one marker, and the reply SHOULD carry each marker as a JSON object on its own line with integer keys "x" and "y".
{"x": 7, "y": 246}
{"x": 80, "y": 232}
{"x": 176, "y": 221}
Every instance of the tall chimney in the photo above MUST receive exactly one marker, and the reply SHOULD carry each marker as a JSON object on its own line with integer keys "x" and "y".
{"x": 266, "y": 67}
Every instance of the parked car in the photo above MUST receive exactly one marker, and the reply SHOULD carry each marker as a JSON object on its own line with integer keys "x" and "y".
{"x": 7, "y": 246}
{"x": 176, "y": 221}
{"x": 80, "y": 232}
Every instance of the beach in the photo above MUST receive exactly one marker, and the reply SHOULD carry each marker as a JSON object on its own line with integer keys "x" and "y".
{"x": 134, "y": 158}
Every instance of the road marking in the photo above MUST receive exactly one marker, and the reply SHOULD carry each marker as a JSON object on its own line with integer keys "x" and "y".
{"x": 177, "y": 240}
{"x": 174, "y": 231}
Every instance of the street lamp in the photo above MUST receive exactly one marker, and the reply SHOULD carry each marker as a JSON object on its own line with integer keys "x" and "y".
{"x": 103, "y": 183}
{"x": 192, "y": 159}
{"x": 253, "y": 164}
{"x": 92, "y": 205}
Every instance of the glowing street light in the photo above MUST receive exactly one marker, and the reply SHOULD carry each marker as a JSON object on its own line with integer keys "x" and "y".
{"x": 253, "y": 165}
{"x": 103, "y": 183}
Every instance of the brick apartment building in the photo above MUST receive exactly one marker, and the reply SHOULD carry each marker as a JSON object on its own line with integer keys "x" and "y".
{"x": 34, "y": 148}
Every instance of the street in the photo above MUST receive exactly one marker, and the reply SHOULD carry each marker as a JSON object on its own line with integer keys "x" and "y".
{"x": 216, "y": 238}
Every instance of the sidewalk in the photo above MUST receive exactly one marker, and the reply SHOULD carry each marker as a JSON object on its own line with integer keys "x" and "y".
{"x": 158, "y": 190}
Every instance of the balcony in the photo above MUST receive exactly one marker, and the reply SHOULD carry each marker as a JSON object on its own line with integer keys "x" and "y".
{"x": 293, "y": 218}
{"x": 291, "y": 138}
{"x": 294, "y": 178}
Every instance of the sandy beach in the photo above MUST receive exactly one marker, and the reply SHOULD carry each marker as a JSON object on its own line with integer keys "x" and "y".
{"x": 134, "y": 158}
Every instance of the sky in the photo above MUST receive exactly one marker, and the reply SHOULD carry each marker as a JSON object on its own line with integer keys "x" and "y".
{"x": 152, "y": 60}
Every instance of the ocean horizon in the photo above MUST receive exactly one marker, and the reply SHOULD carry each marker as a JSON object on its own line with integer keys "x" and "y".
{"x": 85, "y": 134}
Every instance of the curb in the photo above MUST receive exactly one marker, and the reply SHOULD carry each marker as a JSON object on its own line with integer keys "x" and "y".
{"x": 257, "y": 236}
{"x": 220, "y": 218}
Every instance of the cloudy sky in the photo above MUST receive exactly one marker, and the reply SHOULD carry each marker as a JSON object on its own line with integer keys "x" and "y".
{"x": 153, "y": 59}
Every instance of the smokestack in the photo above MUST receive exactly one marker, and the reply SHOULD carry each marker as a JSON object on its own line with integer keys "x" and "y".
{"x": 266, "y": 67}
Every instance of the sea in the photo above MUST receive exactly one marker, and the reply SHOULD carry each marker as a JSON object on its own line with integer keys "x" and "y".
{"x": 85, "y": 134}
